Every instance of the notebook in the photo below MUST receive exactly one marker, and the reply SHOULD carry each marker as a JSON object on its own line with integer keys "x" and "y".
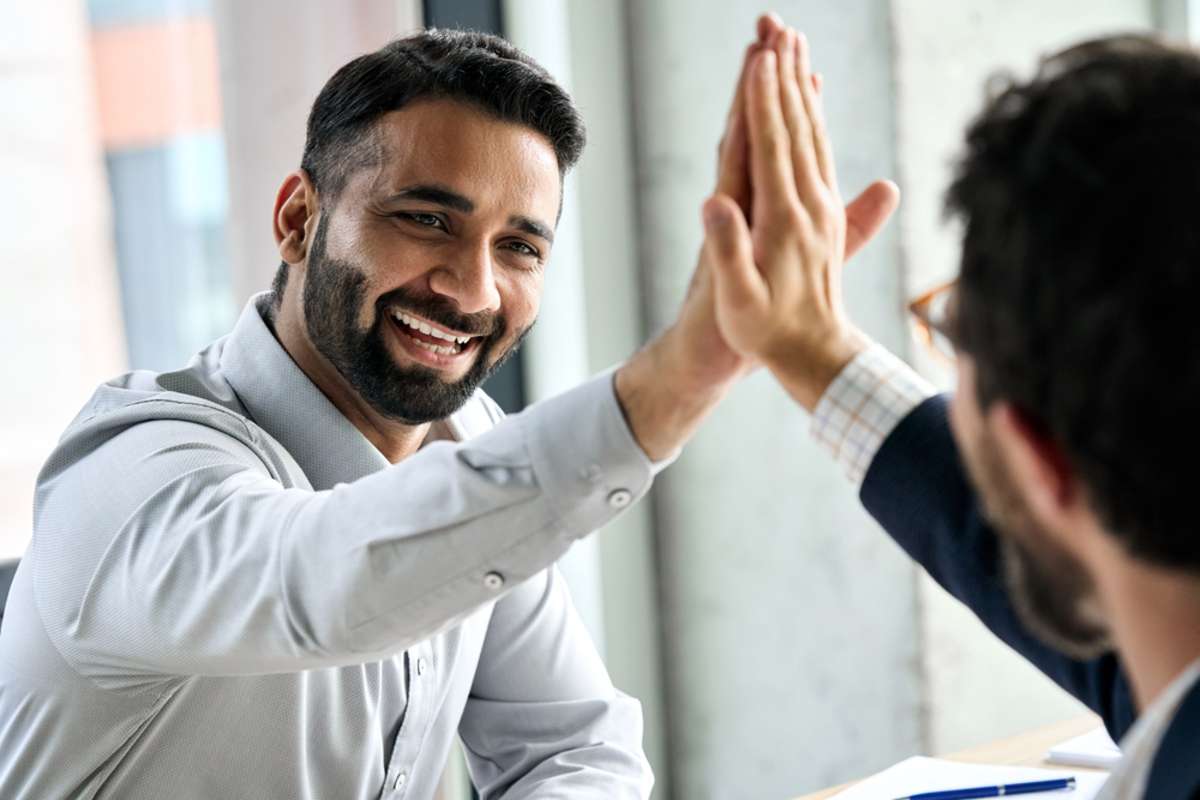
{"x": 1093, "y": 749}
{"x": 919, "y": 774}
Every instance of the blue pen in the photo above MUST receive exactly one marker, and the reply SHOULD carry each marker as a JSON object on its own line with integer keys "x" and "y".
{"x": 1067, "y": 784}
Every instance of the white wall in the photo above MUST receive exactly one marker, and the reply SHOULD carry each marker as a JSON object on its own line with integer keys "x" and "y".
{"x": 59, "y": 310}
{"x": 790, "y": 621}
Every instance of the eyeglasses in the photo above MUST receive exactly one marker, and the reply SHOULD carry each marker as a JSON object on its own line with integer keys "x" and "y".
{"x": 933, "y": 317}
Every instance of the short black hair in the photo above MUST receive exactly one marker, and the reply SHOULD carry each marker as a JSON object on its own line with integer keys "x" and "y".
{"x": 1081, "y": 270}
{"x": 476, "y": 68}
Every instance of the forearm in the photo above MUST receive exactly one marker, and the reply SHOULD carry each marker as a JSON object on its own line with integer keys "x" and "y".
{"x": 665, "y": 395}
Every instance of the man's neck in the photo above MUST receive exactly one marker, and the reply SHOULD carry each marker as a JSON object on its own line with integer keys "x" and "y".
{"x": 1155, "y": 615}
{"x": 395, "y": 440}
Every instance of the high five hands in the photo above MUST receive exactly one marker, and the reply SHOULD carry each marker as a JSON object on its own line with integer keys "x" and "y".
{"x": 767, "y": 283}
{"x": 776, "y": 232}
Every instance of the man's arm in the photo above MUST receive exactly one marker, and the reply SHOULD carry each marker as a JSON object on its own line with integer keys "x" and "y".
{"x": 171, "y": 549}
{"x": 778, "y": 296}
{"x": 543, "y": 718}
{"x": 891, "y": 435}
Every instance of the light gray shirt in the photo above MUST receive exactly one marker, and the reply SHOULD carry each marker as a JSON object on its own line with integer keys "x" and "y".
{"x": 230, "y": 593}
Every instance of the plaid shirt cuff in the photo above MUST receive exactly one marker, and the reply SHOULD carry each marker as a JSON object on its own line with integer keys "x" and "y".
{"x": 865, "y": 402}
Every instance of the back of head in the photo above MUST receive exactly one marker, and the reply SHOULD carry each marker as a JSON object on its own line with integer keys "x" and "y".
{"x": 1080, "y": 268}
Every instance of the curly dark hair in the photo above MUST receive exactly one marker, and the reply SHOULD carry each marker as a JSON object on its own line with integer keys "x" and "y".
{"x": 1081, "y": 270}
{"x": 476, "y": 68}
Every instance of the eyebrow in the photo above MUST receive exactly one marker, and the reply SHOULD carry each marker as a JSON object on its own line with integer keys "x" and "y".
{"x": 448, "y": 198}
{"x": 438, "y": 195}
{"x": 532, "y": 226}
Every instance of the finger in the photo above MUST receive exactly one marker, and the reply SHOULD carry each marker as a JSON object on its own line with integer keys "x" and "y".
{"x": 807, "y": 171}
{"x": 816, "y": 113}
{"x": 732, "y": 155}
{"x": 767, "y": 26}
{"x": 818, "y": 82}
{"x": 773, "y": 184}
{"x": 739, "y": 286}
{"x": 867, "y": 214}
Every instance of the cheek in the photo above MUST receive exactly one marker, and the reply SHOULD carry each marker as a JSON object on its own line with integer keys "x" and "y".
{"x": 520, "y": 300}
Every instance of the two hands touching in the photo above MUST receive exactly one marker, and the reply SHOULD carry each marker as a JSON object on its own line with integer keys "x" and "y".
{"x": 767, "y": 286}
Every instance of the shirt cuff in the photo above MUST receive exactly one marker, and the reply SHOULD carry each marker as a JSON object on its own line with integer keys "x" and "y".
{"x": 865, "y": 402}
{"x": 585, "y": 457}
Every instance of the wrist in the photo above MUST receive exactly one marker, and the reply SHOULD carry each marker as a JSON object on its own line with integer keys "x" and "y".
{"x": 806, "y": 371}
{"x": 664, "y": 396}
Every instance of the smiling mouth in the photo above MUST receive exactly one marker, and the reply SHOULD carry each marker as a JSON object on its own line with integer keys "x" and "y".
{"x": 442, "y": 344}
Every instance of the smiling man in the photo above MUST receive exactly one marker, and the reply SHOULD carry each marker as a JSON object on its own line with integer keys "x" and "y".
{"x": 300, "y": 566}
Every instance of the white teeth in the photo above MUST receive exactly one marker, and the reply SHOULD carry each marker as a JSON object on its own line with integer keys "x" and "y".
{"x": 446, "y": 351}
{"x": 429, "y": 330}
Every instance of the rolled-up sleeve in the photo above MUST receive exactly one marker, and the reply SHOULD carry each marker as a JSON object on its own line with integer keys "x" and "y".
{"x": 172, "y": 547}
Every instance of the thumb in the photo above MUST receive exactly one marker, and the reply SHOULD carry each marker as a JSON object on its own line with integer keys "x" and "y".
{"x": 730, "y": 252}
{"x": 867, "y": 213}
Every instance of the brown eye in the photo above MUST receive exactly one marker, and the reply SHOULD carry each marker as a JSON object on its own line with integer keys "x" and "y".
{"x": 424, "y": 220}
{"x": 524, "y": 249}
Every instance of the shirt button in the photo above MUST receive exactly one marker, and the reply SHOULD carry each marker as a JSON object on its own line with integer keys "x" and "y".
{"x": 422, "y": 664}
{"x": 493, "y": 580}
{"x": 400, "y": 779}
{"x": 620, "y": 498}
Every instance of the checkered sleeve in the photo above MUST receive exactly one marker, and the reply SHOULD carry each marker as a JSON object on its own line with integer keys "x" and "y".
{"x": 865, "y": 402}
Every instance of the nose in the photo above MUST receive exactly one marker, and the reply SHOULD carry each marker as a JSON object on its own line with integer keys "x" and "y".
{"x": 470, "y": 281}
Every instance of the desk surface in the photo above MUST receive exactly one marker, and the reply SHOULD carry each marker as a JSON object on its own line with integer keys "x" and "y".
{"x": 1027, "y": 750}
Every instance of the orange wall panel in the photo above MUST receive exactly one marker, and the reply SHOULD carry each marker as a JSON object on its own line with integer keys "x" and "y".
{"x": 156, "y": 81}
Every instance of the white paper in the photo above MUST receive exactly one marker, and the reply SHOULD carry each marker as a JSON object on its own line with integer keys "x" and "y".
{"x": 1093, "y": 749}
{"x": 920, "y": 774}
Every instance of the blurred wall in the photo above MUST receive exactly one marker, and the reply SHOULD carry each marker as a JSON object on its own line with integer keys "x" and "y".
{"x": 275, "y": 56}
{"x": 790, "y": 622}
{"x": 59, "y": 310}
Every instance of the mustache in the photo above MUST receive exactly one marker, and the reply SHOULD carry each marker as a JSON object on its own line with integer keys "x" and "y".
{"x": 442, "y": 311}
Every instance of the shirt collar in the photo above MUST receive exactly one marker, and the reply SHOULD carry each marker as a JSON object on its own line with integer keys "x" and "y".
{"x": 282, "y": 400}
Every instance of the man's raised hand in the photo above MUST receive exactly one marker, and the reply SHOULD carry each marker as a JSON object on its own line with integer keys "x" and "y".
{"x": 777, "y": 278}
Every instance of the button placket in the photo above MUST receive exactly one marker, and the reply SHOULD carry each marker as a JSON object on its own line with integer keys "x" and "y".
{"x": 417, "y": 718}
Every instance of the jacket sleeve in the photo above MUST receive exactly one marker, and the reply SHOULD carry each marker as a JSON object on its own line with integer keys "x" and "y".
{"x": 916, "y": 488}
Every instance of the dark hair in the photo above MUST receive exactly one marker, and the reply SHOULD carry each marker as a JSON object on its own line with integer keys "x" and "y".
{"x": 476, "y": 68}
{"x": 1080, "y": 271}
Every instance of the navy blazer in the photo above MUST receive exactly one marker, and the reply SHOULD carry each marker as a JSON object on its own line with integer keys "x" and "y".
{"x": 917, "y": 489}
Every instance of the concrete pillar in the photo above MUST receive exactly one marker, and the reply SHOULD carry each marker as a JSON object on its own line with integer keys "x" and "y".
{"x": 60, "y": 309}
{"x": 791, "y": 627}
{"x": 556, "y": 352}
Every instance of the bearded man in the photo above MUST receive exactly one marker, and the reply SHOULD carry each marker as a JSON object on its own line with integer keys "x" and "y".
{"x": 305, "y": 563}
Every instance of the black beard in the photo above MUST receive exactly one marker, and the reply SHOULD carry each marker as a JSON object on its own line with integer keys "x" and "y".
{"x": 334, "y": 292}
{"x": 1050, "y": 590}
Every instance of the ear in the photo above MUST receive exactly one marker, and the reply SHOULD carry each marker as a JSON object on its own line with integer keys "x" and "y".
{"x": 295, "y": 214}
{"x": 1038, "y": 466}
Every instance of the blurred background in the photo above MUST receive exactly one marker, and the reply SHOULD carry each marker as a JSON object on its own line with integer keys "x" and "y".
{"x": 778, "y": 641}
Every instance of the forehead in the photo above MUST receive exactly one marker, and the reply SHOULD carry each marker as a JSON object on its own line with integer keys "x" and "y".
{"x": 500, "y": 166}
